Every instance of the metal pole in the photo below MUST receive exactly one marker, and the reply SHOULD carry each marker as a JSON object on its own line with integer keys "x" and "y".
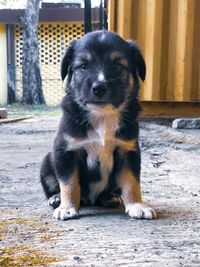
{"x": 101, "y": 16}
{"x": 105, "y": 17}
{"x": 87, "y": 16}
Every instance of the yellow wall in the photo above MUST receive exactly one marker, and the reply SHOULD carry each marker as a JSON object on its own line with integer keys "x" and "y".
{"x": 3, "y": 65}
{"x": 168, "y": 33}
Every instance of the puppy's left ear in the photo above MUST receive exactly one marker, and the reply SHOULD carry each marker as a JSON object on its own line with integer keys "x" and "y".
{"x": 137, "y": 59}
{"x": 67, "y": 59}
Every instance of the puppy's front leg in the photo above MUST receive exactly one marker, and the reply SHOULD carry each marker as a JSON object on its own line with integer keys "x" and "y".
{"x": 69, "y": 190}
{"x": 129, "y": 183}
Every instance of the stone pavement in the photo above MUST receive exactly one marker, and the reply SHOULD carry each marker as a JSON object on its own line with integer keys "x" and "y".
{"x": 100, "y": 237}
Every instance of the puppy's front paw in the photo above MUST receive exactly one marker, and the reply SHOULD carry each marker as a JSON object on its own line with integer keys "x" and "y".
{"x": 65, "y": 214}
{"x": 140, "y": 211}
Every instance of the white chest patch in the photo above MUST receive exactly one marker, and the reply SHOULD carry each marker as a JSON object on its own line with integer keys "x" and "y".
{"x": 105, "y": 122}
{"x": 103, "y": 150}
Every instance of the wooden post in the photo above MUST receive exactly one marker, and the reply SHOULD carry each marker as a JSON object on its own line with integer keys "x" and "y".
{"x": 184, "y": 44}
{"x": 3, "y": 65}
{"x": 124, "y": 9}
{"x": 11, "y": 63}
{"x": 111, "y": 15}
{"x": 153, "y": 48}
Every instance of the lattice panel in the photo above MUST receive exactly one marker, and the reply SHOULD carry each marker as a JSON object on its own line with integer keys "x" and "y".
{"x": 18, "y": 60}
{"x": 53, "y": 41}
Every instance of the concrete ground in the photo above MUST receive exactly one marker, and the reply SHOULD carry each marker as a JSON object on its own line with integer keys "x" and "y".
{"x": 29, "y": 236}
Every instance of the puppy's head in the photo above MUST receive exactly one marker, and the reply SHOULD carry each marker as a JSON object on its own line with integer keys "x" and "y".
{"x": 102, "y": 69}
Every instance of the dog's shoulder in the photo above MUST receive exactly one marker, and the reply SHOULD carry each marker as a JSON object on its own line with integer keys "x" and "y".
{"x": 74, "y": 121}
{"x": 128, "y": 128}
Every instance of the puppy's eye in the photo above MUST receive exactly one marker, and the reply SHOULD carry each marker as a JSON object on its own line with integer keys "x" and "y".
{"x": 84, "y": 66}
{"x": 119, "y": 67}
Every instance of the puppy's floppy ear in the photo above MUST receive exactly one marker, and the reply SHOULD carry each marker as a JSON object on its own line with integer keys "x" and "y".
{"x": 66, "y": 61}
{"x": 137, "y": 59}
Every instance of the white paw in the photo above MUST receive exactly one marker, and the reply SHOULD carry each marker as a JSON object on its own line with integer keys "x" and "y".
{"x": 65, "y": 214}
{"x": 140, "y": 211}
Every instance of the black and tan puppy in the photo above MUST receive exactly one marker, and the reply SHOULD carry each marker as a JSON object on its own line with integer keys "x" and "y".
{"x": 96, "y": 157}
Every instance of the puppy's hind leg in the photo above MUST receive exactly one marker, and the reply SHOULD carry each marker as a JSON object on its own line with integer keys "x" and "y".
{"x": 111, "y": 200}
{"x": 49, "y": 182}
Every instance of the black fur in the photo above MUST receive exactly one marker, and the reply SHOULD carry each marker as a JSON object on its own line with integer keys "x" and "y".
{"x": 84, "y": 61}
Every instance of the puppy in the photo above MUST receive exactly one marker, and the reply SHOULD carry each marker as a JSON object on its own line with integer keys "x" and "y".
{"x": 96, "y": 156}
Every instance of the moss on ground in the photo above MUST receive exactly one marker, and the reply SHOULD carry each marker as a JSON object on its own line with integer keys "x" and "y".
{"x": 28, "y": 234}
{"x": 25, "y": 256}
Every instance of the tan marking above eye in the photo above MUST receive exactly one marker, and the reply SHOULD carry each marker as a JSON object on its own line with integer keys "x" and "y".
{"x": 123, "y": 62}
{"x": 119, "y": 58}
{"x": 116, "y": 55}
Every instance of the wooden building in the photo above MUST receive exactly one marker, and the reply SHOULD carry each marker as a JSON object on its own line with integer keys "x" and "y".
{"x": 168, "y": 33}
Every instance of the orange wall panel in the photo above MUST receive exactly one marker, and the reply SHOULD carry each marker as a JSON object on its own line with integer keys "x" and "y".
{"x": 167, "y": 31}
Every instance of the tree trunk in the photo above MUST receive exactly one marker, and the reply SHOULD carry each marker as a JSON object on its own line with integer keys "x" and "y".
{"x": 32, "y": 81}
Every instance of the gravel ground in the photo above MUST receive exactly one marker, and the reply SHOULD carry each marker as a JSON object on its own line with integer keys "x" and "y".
{"x": 29, "y": 236}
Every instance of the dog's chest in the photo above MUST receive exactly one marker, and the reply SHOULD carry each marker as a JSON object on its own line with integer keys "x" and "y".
{"x": 99, "y": 143}
{"x": 100, "y": 146}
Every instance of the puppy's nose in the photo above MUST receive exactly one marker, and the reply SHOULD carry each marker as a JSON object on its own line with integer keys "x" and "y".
{"x": 99, "y": 88}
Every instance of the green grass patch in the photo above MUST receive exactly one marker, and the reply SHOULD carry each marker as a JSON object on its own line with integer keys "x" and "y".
{"x": 19, "y": 110}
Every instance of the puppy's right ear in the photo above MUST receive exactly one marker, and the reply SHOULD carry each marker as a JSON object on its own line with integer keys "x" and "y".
{"x": 137, "y": 59}
{"x": 67, "y": 59}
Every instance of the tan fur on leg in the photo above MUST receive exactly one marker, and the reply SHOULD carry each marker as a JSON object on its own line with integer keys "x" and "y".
{"x": 131, "y": 195}
{"x": 130, "y": 187}
{"x": 70, "y": 192}
{"x": 70, "y": 198}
